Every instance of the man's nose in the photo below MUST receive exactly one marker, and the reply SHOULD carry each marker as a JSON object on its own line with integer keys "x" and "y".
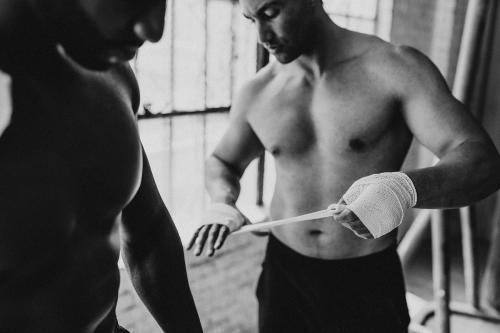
{"x": 151, "y": 24}
{"x": 265, "y": 34}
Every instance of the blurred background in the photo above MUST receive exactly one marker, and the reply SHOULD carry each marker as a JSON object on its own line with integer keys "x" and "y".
{"x": 187, "y": 83}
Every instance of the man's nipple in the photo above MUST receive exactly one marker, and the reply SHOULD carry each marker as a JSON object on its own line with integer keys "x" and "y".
{"x": 275, "y": 151}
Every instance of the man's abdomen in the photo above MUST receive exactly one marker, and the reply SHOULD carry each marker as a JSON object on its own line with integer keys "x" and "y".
{"x": 74, "y": 290}
{"x": 311, "y": 190}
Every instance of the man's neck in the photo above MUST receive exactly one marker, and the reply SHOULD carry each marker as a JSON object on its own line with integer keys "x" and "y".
{"x": 327, "y": 44}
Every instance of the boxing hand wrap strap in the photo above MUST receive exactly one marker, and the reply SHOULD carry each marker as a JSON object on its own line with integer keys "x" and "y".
{"x": 381, "y": 200}
{"x": 221, "y": 213}
{"x": 5, "y": 101}
{"x": 276, "y": 223}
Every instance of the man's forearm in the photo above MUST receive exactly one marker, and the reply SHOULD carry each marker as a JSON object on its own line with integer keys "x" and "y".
{"x": 158, "y": 272}
{"x": 463, "y": 176}
{"x": 222, "y": 181}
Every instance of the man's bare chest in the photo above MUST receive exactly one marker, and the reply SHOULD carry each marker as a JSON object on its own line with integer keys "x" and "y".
{"x": 299, "y": 119}
{"x": 87, "y": 129}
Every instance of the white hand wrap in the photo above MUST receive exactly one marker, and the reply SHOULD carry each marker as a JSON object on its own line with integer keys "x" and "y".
{"x": 381, "y": 200}
{"x": 5, "y": 101}
{"x": 221, "y": 213}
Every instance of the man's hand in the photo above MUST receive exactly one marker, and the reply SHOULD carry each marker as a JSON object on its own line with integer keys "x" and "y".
{"x": 220, "y": 220}
{"x": 376, "y": 204}
{"x": 348, "y": 219}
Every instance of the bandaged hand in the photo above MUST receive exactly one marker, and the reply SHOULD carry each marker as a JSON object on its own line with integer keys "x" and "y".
{"x": 218, "y": 222}
{"x": 375, "y": 205}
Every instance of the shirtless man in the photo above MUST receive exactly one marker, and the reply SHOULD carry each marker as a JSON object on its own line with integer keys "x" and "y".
{"x": 74, "y": 178}
{"x": 335, "y": 107}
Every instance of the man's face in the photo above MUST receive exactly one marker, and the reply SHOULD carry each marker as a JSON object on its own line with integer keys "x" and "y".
{"x": 100, "y": 33}
{"x": 283, "y": 26}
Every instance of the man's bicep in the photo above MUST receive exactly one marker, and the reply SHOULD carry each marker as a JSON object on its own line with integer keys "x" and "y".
{"x": 442, "y": 126}
{"x": 239, "y": 146}
{"x": 437, "y": 119}
{"x": 146, "y": 212}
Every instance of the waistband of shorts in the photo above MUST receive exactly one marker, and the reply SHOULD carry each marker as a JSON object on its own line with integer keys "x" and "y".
{"x": 284, "y": 253}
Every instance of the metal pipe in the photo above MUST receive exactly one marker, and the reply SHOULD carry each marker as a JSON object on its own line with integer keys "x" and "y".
{"x": 440, "y": 271}
{"x": 473, "y": 25}
{"x": 470, "y": 275}
{"x": 262, "y": 60}
{"x": 413, "y": 236}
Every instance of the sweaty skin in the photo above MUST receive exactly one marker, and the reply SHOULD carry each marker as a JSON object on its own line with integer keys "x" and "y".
{"x": 346, "y": 107}
{"x": 75, "y": 187}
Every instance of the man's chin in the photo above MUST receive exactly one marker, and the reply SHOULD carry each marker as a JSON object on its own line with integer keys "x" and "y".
{"x": 284, "y": 58}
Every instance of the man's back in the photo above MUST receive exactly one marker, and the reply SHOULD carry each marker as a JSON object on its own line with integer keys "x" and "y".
{"x": 70, "y": 162}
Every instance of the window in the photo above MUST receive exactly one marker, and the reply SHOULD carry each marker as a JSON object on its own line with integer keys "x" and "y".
{"x": 368, "y": 16}
{"x": 207, "y": 51}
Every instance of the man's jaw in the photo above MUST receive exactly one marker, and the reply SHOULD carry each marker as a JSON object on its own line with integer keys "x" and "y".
{"x": 100, "y": 60}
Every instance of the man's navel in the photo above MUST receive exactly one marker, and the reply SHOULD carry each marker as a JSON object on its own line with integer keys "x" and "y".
{"x": 357, "y": 144}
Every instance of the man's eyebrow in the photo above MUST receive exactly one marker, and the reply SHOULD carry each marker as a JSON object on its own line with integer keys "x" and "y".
{"x": 266, "y": 6}
{"x": 263, "y": 8}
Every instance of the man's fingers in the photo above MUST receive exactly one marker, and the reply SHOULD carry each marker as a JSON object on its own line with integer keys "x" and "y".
{"x": 212, "y": 236}
{"x": 223, "y": 233}
{"x": 344, "y": 215}
{"x": 200, "y": 240}
{"x": 348, "y": 219}
{"x": 193, "y": 239}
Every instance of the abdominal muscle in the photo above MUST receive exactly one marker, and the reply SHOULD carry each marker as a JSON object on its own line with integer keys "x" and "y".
{"x": 322, "y": 238}
{"x": 74, "y": 290}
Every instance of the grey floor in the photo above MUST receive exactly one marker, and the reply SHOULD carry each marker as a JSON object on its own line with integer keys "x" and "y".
{"x": 418, "y": 274}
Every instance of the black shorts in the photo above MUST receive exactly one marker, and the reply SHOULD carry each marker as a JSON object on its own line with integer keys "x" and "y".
{"x": 297, "y": 293}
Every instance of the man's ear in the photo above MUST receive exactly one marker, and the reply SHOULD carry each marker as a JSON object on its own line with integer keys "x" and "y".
{"x": 5, "y": 101}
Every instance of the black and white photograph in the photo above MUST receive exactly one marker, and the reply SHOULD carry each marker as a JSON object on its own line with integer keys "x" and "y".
{"x": 249, "y": 166}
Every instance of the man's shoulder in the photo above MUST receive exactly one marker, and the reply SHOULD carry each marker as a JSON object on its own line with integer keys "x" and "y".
{"x": 260, "y": 80}
{"x": 393, "y": 59}
{"x": 253, "y": 88}
{"x": 125, "y": 77}
{"x": 399, "y": 67}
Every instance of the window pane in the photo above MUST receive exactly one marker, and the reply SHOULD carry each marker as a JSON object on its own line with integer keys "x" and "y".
{"x": 361, "y": 25}
{"x": 340, "y": 7}
{"x": 189, "y": 56}
{"x": 368, "y": 16}
{"x": 340, "y": 20}
{"x": 219, "y": 53}
{"x": 363, "y": 8}
{"x": 153, "y": 70}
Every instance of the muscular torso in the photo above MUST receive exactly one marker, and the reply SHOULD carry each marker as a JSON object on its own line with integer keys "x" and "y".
{"x": 69, "y": 163}
{"x": 325, "y": 133}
